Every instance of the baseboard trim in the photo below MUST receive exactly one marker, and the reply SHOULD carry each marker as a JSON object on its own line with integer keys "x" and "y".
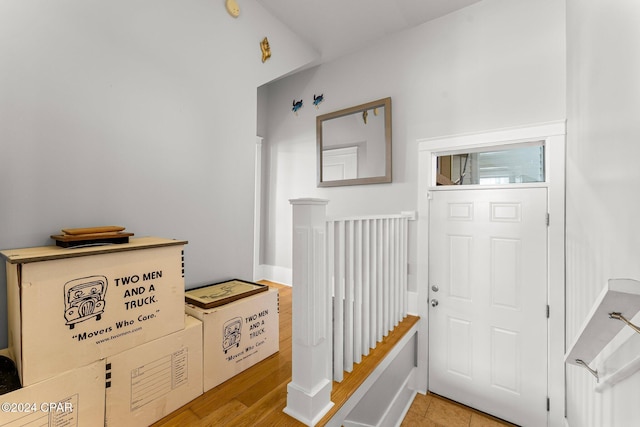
{"x": 274, "y": 273}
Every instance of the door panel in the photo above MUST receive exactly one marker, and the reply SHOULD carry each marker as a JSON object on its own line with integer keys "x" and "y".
{"x": 488, "y": 331}
{"x": 459, "y": 347}
{"x": 460, "y": 267}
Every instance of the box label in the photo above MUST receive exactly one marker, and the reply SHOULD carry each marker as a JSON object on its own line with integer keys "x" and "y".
{"x": 155, "y": 379}
{"x": 251, "y": 328}
{"x": 86, "y": 298}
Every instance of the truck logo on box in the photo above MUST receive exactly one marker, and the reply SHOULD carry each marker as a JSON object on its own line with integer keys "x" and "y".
{"x": 231, "y": 333}
{"x": 84, "y": 299}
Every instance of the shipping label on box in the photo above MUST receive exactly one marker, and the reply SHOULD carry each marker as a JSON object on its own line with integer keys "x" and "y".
{"x": 238, "y": 335}
{"x": 69, "y": 312}
{"x": 72, "y": 399}
{"x": 154, "y": 379}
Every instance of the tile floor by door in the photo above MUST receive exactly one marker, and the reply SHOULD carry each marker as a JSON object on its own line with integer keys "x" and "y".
{"x": 434, "y": 411}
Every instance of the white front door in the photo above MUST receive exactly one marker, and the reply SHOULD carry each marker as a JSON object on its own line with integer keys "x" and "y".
{"x": 488, "y": 296}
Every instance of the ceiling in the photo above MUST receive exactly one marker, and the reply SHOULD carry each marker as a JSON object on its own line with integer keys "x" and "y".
{"x": 337, "y": 27}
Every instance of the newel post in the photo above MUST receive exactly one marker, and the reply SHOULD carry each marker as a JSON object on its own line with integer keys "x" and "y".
{"x": 309, "y": 392}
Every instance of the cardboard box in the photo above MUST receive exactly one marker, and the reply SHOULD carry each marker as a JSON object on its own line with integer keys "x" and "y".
{"x": 70, "y": 307}
{"x": 73, "y": 398}
{"x": 238, "y": 335}
{"x": 154, "y": 379}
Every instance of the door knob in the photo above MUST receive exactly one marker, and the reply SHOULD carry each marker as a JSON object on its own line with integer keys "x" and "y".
{"x": 435, "y": 288}
{"x": 434, "y": 302}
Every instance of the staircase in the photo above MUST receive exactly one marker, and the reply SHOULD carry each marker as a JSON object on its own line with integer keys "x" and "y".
{"x": 349, "y": 292}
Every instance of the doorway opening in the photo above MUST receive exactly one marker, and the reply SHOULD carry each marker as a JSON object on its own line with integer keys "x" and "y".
{"x": 549, "y": 136}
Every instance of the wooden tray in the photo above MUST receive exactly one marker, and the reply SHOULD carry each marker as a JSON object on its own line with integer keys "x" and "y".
{"x": 94, "y": 230}
{"x": 72, "y": 240}
{"x": 218, "y": 294}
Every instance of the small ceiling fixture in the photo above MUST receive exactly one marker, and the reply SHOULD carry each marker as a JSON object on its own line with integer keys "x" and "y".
{"x": 232, "y": 8}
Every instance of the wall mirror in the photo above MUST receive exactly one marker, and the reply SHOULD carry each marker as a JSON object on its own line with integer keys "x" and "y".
{"x": 354, "y": 145}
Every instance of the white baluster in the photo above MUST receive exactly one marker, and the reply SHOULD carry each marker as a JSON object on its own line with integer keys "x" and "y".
{"x": 393, "y": 282}
{"x": 380, "y": 281}
{"x": 338, "y": 304}
{"x": 405, "y": 267}
{"x": 348, "y": 296}
{"x": 357, "y": 304}
{"x": 366, "y": 288}
{"x": 332, "y": 282}
{"x": 387, "y": 278}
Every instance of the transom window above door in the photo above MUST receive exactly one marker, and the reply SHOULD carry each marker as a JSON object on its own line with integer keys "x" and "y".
{"x": 515, "y": 164}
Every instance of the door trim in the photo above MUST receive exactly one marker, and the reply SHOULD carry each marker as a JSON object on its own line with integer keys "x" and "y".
{"x": 553, "y": 135}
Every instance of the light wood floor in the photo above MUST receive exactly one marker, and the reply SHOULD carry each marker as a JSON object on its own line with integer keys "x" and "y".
{"x": 257, "y": 396}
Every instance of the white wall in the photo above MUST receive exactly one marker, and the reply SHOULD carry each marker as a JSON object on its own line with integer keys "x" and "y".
{"x": 495, "y": 64}
{"x": 603, "y": 232}
{"x": 141, "y": 114}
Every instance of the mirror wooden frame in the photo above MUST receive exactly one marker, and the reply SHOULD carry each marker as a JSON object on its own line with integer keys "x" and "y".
{"x": 386, "y": 103}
